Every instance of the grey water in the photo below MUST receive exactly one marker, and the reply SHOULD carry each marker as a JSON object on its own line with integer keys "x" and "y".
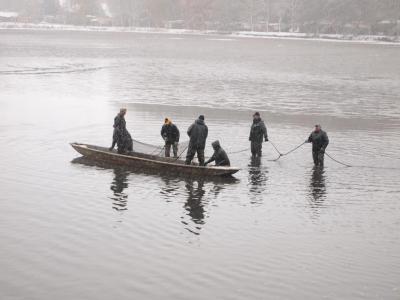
{"x": 70, "y": 229}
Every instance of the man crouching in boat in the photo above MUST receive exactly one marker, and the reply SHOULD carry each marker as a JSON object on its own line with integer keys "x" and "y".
{"x": 170, "y": 134}
{"x": 220, "y": 157}
{"x": 121, "y": 136}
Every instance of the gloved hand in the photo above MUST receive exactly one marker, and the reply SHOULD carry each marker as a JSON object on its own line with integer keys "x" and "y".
{"x": 250, "y": 139}
{"x": 307, "y": 141}
{"x": 266, "y": 139}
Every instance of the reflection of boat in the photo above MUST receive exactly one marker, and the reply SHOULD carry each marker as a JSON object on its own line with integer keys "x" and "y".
{"x": 137, "y": 160}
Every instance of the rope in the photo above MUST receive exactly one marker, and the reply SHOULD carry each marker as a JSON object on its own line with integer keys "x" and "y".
{"x": 276, "y": 149}
{"x": 360, "y": 166}
{"x": 273, "y": 145}
{"x": 284, "y": 154}
{"x": 337, "y": 161}
{"x": 294, "y": 149}
{"x": 239, "y": 151}
{"x": 179, "y": 156}
{"x": 156, "y": 149}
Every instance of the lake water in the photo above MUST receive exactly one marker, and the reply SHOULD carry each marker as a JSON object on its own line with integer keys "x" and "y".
{"x": 281, "y": 230}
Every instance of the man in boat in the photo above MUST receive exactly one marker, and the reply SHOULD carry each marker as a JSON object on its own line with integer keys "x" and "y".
{"x": 170, "y": 134}
{"x": 258, "y": 132}
{"x": 198, "y": 133}
{"x": 121, "y": 136}
{"x": 320, "y": 141}
{"x": 220, "y": 157}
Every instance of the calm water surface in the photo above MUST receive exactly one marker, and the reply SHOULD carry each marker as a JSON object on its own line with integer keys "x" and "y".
{"x": 282, "y": 230}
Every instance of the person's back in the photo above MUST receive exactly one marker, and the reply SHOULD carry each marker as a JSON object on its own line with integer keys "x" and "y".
{"x": 198, "y": 133}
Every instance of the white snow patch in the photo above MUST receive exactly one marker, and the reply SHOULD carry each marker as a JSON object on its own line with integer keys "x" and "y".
{"x": 8, "y": 14}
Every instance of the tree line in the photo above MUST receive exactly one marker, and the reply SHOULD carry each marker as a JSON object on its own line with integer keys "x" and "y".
{"x": 332, "y": 16}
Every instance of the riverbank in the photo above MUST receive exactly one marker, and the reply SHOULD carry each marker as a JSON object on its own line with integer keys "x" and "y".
{"x": 249, "y": 34}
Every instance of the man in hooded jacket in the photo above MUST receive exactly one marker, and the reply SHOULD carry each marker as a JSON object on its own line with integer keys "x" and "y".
{"x": 121, "y": 136}
{"x": 258, "y": 131}
{"x": 220, "y": 157}
{"x": 198, "y": 133}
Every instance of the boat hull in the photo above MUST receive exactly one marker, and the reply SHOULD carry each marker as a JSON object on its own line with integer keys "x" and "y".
{"x": 145, "y": 161}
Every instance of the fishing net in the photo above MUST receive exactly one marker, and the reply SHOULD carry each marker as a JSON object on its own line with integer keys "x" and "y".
{"x": 158, "y": 150}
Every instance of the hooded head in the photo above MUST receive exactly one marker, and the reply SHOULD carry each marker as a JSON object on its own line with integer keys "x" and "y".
{"x": 200, "y": 119}
{"x": 216, "y": 145}
{"x": 256, "y": 116}
{"x": 167, "y": 121}
{"x": 317, "y": 128}
{"x": 122, "y": 111}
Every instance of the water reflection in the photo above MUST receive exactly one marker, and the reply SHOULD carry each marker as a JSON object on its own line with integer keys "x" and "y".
{"x": 170, "y": 189}
{"x": 257, "y": 180}
{"x": 118, "y": 185}
{"x": 317, "y": 187}
{"x": 194, "y": 205}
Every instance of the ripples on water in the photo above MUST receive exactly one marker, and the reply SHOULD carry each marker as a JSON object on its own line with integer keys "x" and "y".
{"x": 279, "y": 230}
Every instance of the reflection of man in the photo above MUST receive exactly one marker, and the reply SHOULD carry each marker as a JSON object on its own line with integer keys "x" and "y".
{"x": 320, "y": 141}
{"x": 258, "y": 177}
{"x": 194, "y": 204}
{"x": 317, "y": 185}
{"x": 118, "y": 185}
{"x": 170, "y": 134}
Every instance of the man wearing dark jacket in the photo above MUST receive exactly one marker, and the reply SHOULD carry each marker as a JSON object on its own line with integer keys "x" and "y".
{"x": 198, "y": 133}
{"x": 320, "y": 141}
{"x": 121, "y": 136}
{"x": 220, "y": 157}
{"x": 258, "y": 132}
{"x": 170, "y": 134}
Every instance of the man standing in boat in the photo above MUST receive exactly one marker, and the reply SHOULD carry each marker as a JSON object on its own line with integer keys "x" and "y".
{"x": 320, "y": 141}
{"x": 170, "y": 134}
{"x": 198, "y": 133}
{"x": 258, "y": 132}
{"x": 121, "y": 136}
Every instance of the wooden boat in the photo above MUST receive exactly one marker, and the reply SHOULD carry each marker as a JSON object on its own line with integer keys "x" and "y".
{"x": 153, "y": 162}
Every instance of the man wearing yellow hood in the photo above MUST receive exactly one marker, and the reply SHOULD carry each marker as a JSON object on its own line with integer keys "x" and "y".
{"x": 170, "y": 134}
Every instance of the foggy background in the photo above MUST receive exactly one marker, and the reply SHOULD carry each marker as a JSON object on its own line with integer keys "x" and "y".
{"x": 357, "y": 17}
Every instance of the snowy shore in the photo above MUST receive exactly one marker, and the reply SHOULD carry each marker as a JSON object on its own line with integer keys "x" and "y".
{"x": 248, "y": 34}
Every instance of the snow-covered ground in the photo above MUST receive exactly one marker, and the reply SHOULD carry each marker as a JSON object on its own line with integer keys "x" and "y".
{"x": 251, "y": 34}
